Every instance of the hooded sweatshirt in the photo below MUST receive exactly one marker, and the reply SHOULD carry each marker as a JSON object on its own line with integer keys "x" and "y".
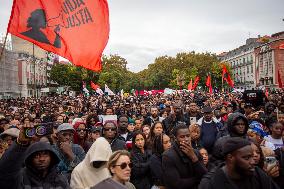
{"x": 85, "y": 174}
{"x": 232, "y": 120}
{"x": 14, "y": 176}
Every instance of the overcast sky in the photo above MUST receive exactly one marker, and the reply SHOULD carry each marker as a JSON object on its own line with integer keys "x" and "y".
{"x": 142, "y": 30}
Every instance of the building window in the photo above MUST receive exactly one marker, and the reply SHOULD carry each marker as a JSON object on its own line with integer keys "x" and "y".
{"x": 251, "y": 68}
{"x": 247, "y": 69}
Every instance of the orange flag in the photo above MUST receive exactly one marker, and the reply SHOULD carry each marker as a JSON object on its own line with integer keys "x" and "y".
{"x": 94, "y": 86}
{"x": 189, "y": 87}
{"x": 77, "y": 30}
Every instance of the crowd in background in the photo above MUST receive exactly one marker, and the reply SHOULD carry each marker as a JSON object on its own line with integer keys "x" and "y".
{"x": 178, "y": 141}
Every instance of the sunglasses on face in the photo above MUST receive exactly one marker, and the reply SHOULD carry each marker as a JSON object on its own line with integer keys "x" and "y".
{"x": 124, "y": 165}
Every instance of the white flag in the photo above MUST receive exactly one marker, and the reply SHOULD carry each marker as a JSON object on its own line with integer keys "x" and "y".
{"x": 99, "y": 91}
{"x": 108, "y": 91}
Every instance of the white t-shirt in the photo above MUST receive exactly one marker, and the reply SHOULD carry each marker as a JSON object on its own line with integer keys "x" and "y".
{"x": 278, "y": 143}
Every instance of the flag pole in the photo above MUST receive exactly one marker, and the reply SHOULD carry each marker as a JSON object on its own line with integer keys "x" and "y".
{"x": 4, "y": 44}
{"x": 222, "y": 84}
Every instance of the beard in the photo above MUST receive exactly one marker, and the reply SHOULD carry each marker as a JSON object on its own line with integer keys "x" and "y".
{"x": 242, "y": 171}
{"x": 154, "y": 115}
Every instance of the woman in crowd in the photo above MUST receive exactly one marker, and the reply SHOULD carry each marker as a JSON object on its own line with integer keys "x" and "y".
{"x": 161, "y": 143}
{"x": 146, "y": 130}
{"x": 60, "y": 119}
{"x": 257, "y": 155}
{"x": 119, "y": 166}
{"x": 276, "y": 135}
{"x": 140, "y": 158}
{"x": 130, "y": 126}
{"x": 156, "y": 129}
{"x": 28, "y": 119}
{"x": 206, "y": 161}
{"x": 195, "y": 131}
{"x": 163, "y": 114}
{"x": 260, "y": 155}
{"x": 92, "y": 120}
{"x": 81, "y": 136}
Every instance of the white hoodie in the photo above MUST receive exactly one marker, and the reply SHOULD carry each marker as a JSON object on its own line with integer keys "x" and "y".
{"x": 84, "y": 174}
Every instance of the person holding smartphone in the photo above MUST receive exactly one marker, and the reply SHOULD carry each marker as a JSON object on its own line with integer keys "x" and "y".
{"x": 182, "y": 165}
{"x": 39, "y": 160}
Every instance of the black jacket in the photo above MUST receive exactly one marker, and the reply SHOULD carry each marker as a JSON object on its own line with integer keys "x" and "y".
{"x": 171, "y": 122}
{"x": 217, "y": 153}
{"x": 179, "y": 172}
{"x": 156, "y": 169}
{"x": 217, "y": 179}
{"x": 14, "y": 176}
{"x": 117, "y": 144}
{"x": 128, "y": 137}
{"x": 140, "y": 173}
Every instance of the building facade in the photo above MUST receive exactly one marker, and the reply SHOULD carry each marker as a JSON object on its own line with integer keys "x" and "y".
{"x": 269, "y": 63}
{"x": 32, "y": 75}
{"x": 242, "y": 61}
{"x": 34, "y": 65}
{"x": 9, "y": 87}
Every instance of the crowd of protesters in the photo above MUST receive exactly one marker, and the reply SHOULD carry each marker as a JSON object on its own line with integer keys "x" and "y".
{"x": 178, "y": 141}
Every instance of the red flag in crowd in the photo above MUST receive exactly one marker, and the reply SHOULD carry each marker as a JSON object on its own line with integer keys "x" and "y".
{"x": 266, "y": 93}
{"x": 226, "y": 76}
{"x": 189, "y": 87}
{"x": 76, "y": 30}
{"x": 208, "y": 84}
{"x": 195, "y": 83}
{"x": 280, "y": 84}
{"x": 281, "y": 46}
{"x": 94, "y": 86}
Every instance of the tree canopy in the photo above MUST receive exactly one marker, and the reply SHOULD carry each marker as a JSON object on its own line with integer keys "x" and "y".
{"x": 163, "y": 73}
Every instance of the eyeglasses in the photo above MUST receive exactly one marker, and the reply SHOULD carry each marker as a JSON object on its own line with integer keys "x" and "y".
{"x": 109, "y": 129}
{"x": 124, "y": 165}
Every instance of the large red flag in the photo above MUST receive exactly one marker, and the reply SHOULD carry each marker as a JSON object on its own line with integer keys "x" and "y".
{"x": 208, "y": 84}
{"x": 226, "y": 76}
{"x": 195, "y": 83}
{"x": 74, "y": 29}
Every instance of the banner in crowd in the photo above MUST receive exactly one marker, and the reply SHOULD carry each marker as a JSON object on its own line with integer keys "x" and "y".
{"x": 151, "y": 92}
{"x": 76, "y": 30}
